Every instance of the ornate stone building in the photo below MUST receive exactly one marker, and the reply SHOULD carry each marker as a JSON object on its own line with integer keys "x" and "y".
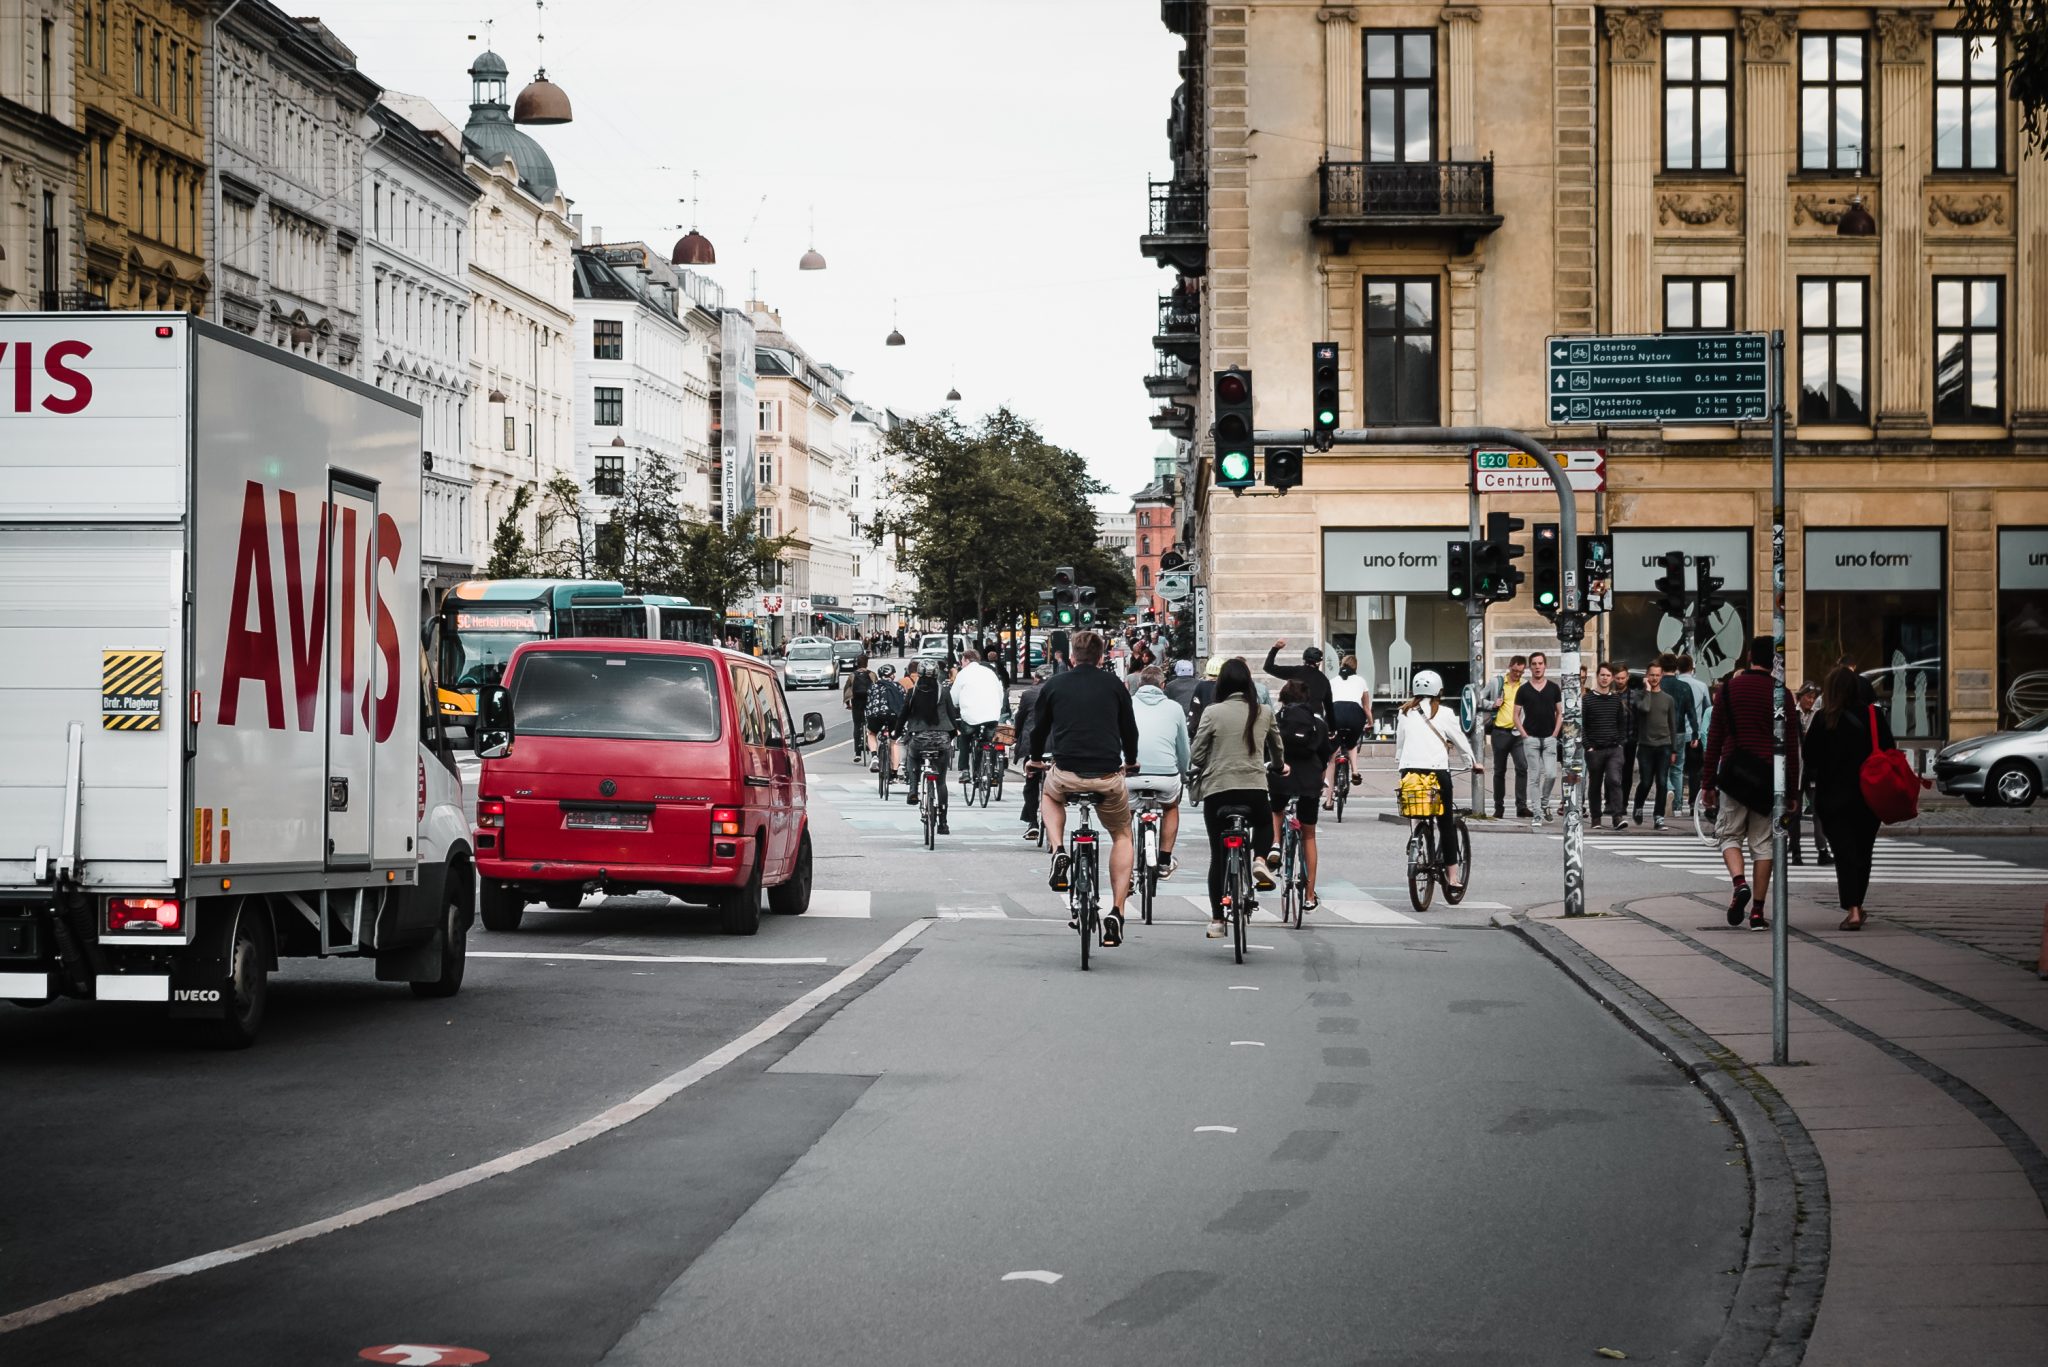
{"x": 1467, "y": 181}
{"x": 40, "y": 242}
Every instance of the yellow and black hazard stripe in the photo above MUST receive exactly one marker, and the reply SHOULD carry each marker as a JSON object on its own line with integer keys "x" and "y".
{"x": 131, "y": 690}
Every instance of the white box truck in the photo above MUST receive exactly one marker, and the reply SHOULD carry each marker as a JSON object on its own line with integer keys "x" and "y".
{"x": 217, "y": 744}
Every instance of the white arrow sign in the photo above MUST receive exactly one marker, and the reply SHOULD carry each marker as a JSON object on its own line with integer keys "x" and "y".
{"x": 423, "y": 1355}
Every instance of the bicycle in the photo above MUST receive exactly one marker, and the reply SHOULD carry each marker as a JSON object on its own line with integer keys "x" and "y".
{"x": 1149, "y": 814}
{"x": 1429, "y": 866}
{"x": 884, "y": 738}
{"x": 1084, "y": 870}
{"x": 924, "y": 772}
{"x": 1293, "y": 867}
{"x": 974, "y": 777}
{"x": 1239, "y": 896}
{"x": 998, "y": 764}
{"x": 1341, "y": 781}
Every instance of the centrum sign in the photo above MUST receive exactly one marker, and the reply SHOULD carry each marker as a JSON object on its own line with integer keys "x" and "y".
{"x": 1661, "y": 379}
{"x": 1516, "y": 472}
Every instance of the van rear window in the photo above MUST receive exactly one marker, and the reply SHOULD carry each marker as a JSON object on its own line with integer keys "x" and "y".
{"x": 616, "y": 697}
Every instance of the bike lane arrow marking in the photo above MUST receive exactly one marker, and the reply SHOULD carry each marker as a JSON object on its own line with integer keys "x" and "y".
{"x": 423, "y": 1355}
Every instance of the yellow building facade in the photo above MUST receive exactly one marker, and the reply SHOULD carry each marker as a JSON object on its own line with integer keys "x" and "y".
{"x": 1442, "y": 189}
{"x": 142, "y": 102}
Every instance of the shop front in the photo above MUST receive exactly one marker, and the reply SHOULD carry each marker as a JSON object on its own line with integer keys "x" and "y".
{"x": 1874, "y": 596}
{"x": 1638, "y": 630}
{"x": 1386, "y": 599}
{"x": 2022, "y": 623}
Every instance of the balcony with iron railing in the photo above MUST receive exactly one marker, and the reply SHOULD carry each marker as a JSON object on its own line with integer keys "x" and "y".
{"x": 1171, "y": 376}
{"x": 1180, "y": 325}
{"x": 1177, "y": 227}
{"x": 1417, "y": 197}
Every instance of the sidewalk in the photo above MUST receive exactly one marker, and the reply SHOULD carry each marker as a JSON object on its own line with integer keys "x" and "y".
{"x": 1897, "y": 1167}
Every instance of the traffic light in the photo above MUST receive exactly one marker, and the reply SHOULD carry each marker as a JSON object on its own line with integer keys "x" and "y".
{"x": 1234, "y": 458}
{"x": 1063, "y": 595}
{"x": 1458, "y": 570}
{"x": 1672, "y": 585}
{"x": 1084, "y": 602}
{"x": 1547, "y": 571}
{"x": 1502, "y": 554}
{"x": 1596, "y": 572}
{"x": 1707, "y": 601}
{"x": 1323, "y": 375}
{"x": 1283, "y": 467}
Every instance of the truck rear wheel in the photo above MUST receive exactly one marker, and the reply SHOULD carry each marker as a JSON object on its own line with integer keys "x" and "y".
{"x": 793, "y": 898}
{"x": 740, "y": 909}
{"x": 454, "y": 939}
{"x": 245, "y": 990}
{"x": 502, "y": 905}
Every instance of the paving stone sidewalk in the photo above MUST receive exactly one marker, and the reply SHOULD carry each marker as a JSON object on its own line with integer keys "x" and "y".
{"x": 1919, "y": 1073}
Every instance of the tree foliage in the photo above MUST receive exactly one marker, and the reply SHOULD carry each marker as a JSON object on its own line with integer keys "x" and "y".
{"x": 983, "y": 514}
{"x": 640, "y": 544}
{"x": 510, "y": 556}
{"x": 2021, "y": 26}
{"x": 719, "y": 566}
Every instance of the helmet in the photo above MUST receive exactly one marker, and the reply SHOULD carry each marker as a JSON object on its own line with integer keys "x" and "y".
{"x": 1215, "y": 665}
{"x": 887, "y": 671}
{"x": 1426, "y": 683}
{"x": 1312, "y": 656}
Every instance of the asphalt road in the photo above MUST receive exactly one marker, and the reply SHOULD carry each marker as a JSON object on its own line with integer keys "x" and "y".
{"x": 1386, "y": 1138}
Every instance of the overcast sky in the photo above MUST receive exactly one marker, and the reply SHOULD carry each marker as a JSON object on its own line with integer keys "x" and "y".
{"x": 982, "y": 162}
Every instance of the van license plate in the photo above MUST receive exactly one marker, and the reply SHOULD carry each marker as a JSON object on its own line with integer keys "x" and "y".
{"x": 607, "y": 821}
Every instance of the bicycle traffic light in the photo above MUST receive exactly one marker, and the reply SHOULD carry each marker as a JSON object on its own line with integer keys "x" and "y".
{"x": 1707, "y": 601}
{"x": 1671, "y": 585}
{"x": 1547, "y": 571}
{"x": 1458, "y": 570}
{"x": 1084, "y": 601}
{"x": 1233, "y": 430}
{"x": 1323, "y": 369}
{"x": 1502, "y": 555}
{"x": 1283, "y": 467}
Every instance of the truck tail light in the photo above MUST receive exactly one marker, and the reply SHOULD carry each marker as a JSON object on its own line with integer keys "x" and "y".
{"x": 725, "y": 821}
{"x": 142, "y": 913}
{"x": 490, "y": 811}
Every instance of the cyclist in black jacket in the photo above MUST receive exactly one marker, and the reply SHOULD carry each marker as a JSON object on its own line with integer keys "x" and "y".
{"x": 1084, "y": 719}
{"x": 1310, "y": 672}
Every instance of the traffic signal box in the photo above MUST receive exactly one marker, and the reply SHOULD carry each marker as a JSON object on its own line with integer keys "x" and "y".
{"x": 1233, "y": 409}
{"x": 1671, "y": 585}
{"x": 1494, "y": 574}
{"x": 1323, "y": 373}
{"x": 1708, "y": 600}
{"x": 1458, "y": 570}
{"x": 1063, "y": 595}
{"x": 1283, "y": 467}
{"x": 1547, "y": 571}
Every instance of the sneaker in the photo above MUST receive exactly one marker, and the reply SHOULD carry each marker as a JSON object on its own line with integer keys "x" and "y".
{"x": 1060, "y": 863}
{"x": 1218, "y": 929}
{"x": 1172, "y": 867}
{"x": 944, "y": 829}
{"x": 1356, "y": 778}
{"x": 911, "y": 800}
{"x": 1798, "y": 858}
{"x": 1261, "y": 878}
{"x": 1826, "y": 860}
{"x": 1310, "y": 903}
{"x": 1112, "y": 930}
{"x": 1757, "y": 921}
{"x": 1637, "y": 816}
{"x": 1619, "y": 824}
{"x": 1546, "y": 816}
{"x": 1031, "y": 834}
{"x": 1660, "y": 823}
{"x": 1738, "y": 904}
{"x": 1523, "y": 811}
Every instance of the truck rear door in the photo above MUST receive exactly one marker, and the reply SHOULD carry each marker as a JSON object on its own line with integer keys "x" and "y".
{"x": 351, "y": 749}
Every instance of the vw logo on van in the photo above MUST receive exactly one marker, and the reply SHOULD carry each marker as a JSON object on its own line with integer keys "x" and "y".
{"x": 607, "y": 788}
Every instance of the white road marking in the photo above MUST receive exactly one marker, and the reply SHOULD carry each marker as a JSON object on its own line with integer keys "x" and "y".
{"x": 1215, "y": 1129}
{"x": 604, "y": 1122}
{"x": 1366, "y": 912}
{"x": 855, "y": 904}
{"x": 1037, "y": 1275}
{"x": 1240, "y": 987}
{"x": 633, "y": 958}
{"x": 1248, "y": 1043}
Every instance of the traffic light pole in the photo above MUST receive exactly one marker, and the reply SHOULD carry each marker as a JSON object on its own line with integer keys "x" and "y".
{"x": 1475, "y": 647}
{"x": 1571, "y": 621}
{"x": 1781, "y": 1044}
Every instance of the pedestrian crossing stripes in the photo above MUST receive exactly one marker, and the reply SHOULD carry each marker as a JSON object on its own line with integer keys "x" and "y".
{"x": 1896, "y": 861}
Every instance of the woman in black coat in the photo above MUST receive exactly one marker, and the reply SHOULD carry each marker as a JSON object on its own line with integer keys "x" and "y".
{"x": 1832, "y": 758}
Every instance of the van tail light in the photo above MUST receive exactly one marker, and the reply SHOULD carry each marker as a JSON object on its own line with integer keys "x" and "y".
{"x": 1233, "y": 842}
{"x": 490, "y": 812}
{"x": 725, "y": 821}
{"x": 142, "y": 913}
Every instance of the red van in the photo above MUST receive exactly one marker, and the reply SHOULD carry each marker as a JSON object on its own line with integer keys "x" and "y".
{"x": 628, "y": 766}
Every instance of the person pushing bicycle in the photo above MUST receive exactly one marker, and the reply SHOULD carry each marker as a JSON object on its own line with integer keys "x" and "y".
{"x": 1083, "y": 716}
{"x": 1423, "y": 737}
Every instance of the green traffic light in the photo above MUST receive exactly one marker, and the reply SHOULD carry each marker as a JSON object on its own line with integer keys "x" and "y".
{"x": 1066, "y": 617}
{"x": 1326, "y": 417}
{"x": 1236, "y": 465}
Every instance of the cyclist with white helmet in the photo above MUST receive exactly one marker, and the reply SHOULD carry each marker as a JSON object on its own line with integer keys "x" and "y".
{"x": 1424, "y": 733}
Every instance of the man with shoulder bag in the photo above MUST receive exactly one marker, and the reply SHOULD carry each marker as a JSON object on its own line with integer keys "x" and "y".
{"x": 1735, "y": 781}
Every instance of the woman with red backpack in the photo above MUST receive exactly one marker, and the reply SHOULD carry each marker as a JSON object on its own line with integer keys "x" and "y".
{"x": 1840, "y": 741}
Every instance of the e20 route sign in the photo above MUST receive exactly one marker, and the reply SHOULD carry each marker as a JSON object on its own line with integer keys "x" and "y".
{"x": 1659, "y": 379}
{"x": 1516, "y": 472}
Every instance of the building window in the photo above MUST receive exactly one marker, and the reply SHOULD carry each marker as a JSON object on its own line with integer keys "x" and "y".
{"x": 103, "y": 36}
{"x": 138, "y": 58}
{"x": 770, "y": 417}
{"x": 49, "y": 67}
{"x": 1969, "y": 338}
{"x": 511, "y": 433}
{"x": 1144, "y": 576}
{"x": 1400, "y": 351}
{"x": 764, "y": 522}
{"x": 1698, "y": 303}
{"x": 1696, "y": 102}
{"x": 611, "y": 407}
{"x": 611, "y": 476}
{"x": 766, "y": 472}
{"x": 87, "y": 30}
{"x": 1144, "y": 545}
{"x": 1400, "y": 96}
{"x": 1834, "y": 370}
{"x": 192, "y": 88}
{"x": 1831, "y": 136}
{"x": 610, "y": 340}
{"x": 174, "y": 78}
{"x": 156, "y": 68}
{"x": 856, "y": 567}
{"x": 1966, "y": 102}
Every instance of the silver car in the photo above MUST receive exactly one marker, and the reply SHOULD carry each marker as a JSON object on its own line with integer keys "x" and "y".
{"x": 810, "y": 665}
{"x": 2005, "y": 768}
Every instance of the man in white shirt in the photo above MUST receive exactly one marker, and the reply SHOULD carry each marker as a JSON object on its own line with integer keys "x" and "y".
{"x": 979, "y": 697}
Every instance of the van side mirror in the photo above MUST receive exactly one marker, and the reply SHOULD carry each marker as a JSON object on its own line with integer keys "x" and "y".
{"x": 493, "y": 722}
{"x": 814, "y": 728}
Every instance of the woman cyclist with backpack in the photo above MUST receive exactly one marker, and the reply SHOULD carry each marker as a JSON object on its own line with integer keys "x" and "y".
{"x": 930, "y": 722}
{"x": 1424, "y": 733}
{"x": 884, "y": 710}
{"x": 1305, "y": 746}
{"x": 1232, "y": 747}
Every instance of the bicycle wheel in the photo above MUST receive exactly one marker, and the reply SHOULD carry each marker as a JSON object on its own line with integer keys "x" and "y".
{"x": 1082, "y": 878}
{"x": 1422, "y": 865}
{"x": 929, "y": 807}
{"x": 1289, "y": 894}
{"x": 1298, "y": 869}
{"x": 996, "y": 783}
{"x": 1461, "y": 855}
{"x": 883, "y": 769}
{"x": 1343, "y": 790}
{"x": 1240, "y": 913}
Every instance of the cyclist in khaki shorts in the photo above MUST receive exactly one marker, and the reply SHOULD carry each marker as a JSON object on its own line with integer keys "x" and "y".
{"x": 1084, "y": 718}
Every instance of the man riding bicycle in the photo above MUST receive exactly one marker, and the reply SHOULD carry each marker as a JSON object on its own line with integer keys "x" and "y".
{"x": 883, "y": 714}
{"x": 980, "y": 698}
{"x": 1162, "y": 758}
{"x": 1083, "y": 717}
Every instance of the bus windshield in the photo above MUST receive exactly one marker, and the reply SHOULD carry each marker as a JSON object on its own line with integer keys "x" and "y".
{"x": 475, "y": 652}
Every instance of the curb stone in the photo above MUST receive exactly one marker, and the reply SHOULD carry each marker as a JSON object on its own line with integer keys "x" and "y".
{"x": 1784, "y": 1266}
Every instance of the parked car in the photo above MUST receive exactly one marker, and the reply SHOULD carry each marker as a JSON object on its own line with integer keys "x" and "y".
{"x": 2005, "y": 768}
{"x": 811, "y": 664}
{"x": 641, "y": 766}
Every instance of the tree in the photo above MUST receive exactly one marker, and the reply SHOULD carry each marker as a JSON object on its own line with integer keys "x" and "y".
{"x": 641, "y": 543}
{"x": 510, "y": 558}
{"x": 565, "y": 537}
{"x": 2021, "y": 27}
{"x": 717, "y": 566}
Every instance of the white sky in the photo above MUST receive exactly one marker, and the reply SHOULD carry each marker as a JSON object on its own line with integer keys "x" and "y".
{"x": 981, "y": 161}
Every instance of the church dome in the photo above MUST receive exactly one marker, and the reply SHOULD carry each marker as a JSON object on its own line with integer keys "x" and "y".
{"x": 492, "y": 136}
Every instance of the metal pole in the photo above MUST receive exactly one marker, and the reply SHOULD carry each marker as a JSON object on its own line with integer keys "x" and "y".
{"x": 1780, "y": 1024}
{"x": 1475, "y": 631}
{"x": 1570, "y": 616}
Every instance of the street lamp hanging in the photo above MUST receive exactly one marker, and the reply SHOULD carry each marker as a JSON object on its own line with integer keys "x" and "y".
{"x": 1856, "y": 220}
{"x": 895, "y": 337}
{"x": 542, "y": 101}
{"x": 812, "y": 260}
{"x": 693, "y": 248}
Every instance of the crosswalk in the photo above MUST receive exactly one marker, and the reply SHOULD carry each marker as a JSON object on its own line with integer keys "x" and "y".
{"x": 1896, "y": 861}
{"x": 1175, "y": 908}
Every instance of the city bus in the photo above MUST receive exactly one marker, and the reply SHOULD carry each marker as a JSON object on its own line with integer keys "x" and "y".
{"x": 481, "y": 621}
{"x": 664, "y": 617}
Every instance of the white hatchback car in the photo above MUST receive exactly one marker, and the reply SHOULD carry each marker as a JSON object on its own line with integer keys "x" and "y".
{"x": 810, "y": 664}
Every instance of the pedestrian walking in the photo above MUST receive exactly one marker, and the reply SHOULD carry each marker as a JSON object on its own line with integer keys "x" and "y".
{"x": 1608, "y": 725}
{"x": 1809, "y": 710}
{"x": 1841, "y": 736}
{"x": 1686, "y": 733}
{"x": 1736, "y": 778}
{"x": 1657, "y": 730}
{"x": 1702, "y": 709}
{"x": 1506, "y": 739}
{"x": 1630, "y": 686}
{"x": 1233, "y": 745}
{"x": 1539, "y": 720}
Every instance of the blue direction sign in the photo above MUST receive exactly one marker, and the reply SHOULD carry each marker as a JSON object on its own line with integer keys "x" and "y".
{"x": 1659, "y": 379}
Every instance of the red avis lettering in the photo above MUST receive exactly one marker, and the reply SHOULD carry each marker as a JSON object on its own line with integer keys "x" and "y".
{"x": 257, "y": 652}
{"x": 21, "y": 356}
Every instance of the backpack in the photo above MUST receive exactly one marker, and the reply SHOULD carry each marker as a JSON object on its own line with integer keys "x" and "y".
{"x": 1302, "y": 731}
{"x": 1890, "y": 787}
{"x": 885, "y": 699}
